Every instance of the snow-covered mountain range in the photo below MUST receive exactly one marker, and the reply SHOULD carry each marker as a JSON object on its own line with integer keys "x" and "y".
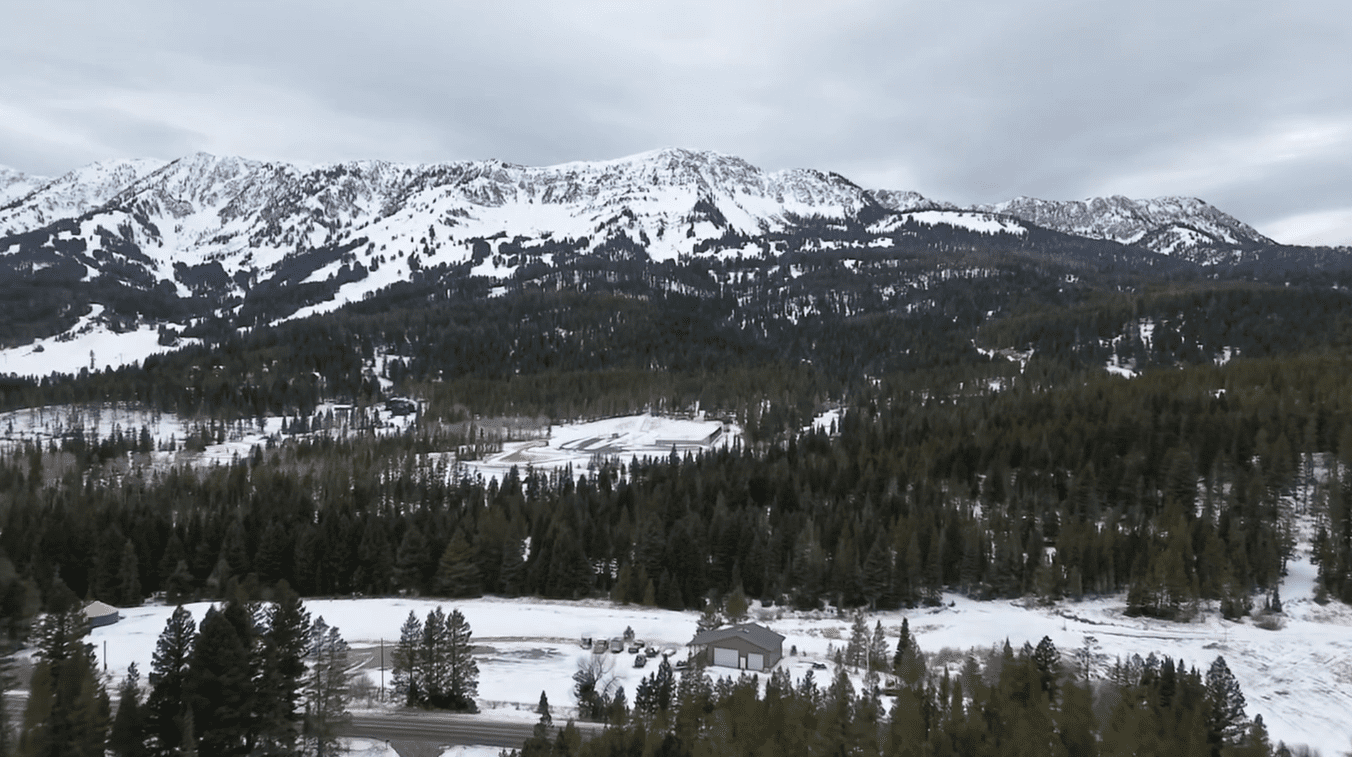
{"x": 210, "y": 236}
{"x": 250, "y": 213}
{"x": 1168, "y": 225}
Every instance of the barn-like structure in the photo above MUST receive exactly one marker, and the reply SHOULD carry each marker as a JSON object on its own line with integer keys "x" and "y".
{"x": 746, "y": 646}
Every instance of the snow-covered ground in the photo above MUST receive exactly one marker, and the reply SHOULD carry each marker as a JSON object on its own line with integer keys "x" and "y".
{"x": 43, "y": 425}
{"x": 90, "y": 343}
{"x": 1298, "y": 677}
{"x": 558, "y": 445}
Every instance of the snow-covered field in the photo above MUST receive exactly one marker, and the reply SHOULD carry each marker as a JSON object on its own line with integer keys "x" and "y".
{"x": 1299, "y": 677}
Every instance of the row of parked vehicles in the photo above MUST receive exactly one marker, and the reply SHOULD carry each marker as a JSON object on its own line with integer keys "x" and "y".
{"x": 639, "y": 648}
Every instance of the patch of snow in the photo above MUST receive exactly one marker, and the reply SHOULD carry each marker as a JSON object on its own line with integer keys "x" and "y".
{"x": 1117, "y": 368}
{"x": 373, "y": 748}
{"x": 826, "y": 420}
{"x": 983, "y": 223}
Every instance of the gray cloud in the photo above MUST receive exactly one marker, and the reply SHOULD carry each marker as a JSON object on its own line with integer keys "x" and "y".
{"x": 1242, "y": 103}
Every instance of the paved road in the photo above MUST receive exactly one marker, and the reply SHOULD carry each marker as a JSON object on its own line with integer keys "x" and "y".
{"x": 447, "y": 729}
{"x": 413, "y": 732}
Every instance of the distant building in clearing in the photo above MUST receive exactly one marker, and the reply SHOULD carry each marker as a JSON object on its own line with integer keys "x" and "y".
{"x": 692, "y": 444}
{"x": 746, "y": 646}
{"x": 100, "y": 614}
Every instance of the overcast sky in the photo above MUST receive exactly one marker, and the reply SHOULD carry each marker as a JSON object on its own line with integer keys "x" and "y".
{"x": 1247, "y": 105}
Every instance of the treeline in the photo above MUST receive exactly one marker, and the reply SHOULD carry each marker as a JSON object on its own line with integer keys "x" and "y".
{"x": 894, "y": 312}
{"x": 1186, "y": 324}
{"x": 1007, "y": 703}
{"x": 252, "y": 679}
{"x": 1167, "y": 486}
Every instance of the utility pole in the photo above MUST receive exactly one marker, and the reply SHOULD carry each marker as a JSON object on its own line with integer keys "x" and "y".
{"x": 382, "y": 670}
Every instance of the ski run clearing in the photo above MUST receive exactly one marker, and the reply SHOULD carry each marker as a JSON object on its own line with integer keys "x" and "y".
{"x": 1299, "y": 677}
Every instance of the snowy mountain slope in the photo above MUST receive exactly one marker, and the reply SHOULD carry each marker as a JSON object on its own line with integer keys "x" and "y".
{"x": 906, "y": 201}
{"x": 245, "y": 242}
{"x": 16, "y": 184}
{"x": 228, "y": 224}
{"x": 67, "y": 196}
{"x": 1169, "y": 225}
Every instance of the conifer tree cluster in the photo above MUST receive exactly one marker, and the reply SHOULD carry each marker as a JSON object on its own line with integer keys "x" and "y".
{"x": 433, "y": 663}
{"x": 1001, "y": 703}
{"x": 68, "y": 711}
{"x": 251, "y": 679}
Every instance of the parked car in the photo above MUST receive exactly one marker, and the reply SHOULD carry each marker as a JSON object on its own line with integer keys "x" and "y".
{"x": 819, "y": 666}
{"x": 651, "y": 651}
{"x": 640, "y": 661}
{"x": 600, "y": 647}
{"x": 586, "y": 642}
{"x": 636, "y": 647}
{"x": 617, "y": 645}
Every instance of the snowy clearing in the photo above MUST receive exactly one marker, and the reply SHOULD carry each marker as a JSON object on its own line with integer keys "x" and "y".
{"x": 88, "y": 344}
{"x": 581, "y": 444}
{"x": 558, "y": 446}
{"x": 1299, "y": 677}
{"x": 52, "y": 424}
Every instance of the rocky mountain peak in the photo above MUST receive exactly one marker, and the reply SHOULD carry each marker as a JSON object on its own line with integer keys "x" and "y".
{"x": 1171, "y": 225}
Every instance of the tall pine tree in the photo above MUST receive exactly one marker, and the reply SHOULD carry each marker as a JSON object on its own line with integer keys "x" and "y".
{"x": 68, "y": 710}
{"x": 283, "y": 649}
{"x": 220, "y": 687}
{"x": 328, "y": 689}
{"x": 128, "y": 737}
{"x": 166, "y": 705}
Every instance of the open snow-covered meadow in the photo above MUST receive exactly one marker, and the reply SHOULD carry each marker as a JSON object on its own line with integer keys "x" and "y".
{"x": 1298, "y": 677}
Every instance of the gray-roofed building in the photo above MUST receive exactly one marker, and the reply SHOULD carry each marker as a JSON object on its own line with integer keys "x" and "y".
{"x": 746, "y": 646}
{"x": 100, "y": 614}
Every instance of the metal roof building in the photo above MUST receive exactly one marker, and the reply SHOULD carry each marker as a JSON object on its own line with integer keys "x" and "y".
{"x": 746, "y": 646}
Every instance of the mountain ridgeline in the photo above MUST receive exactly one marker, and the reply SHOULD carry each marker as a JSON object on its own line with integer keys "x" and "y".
{"x": 287, "y": 282}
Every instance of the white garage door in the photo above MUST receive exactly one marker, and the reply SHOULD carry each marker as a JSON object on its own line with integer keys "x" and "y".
{"x": 725, "y": 657}
{"x": 755, "y": 661}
